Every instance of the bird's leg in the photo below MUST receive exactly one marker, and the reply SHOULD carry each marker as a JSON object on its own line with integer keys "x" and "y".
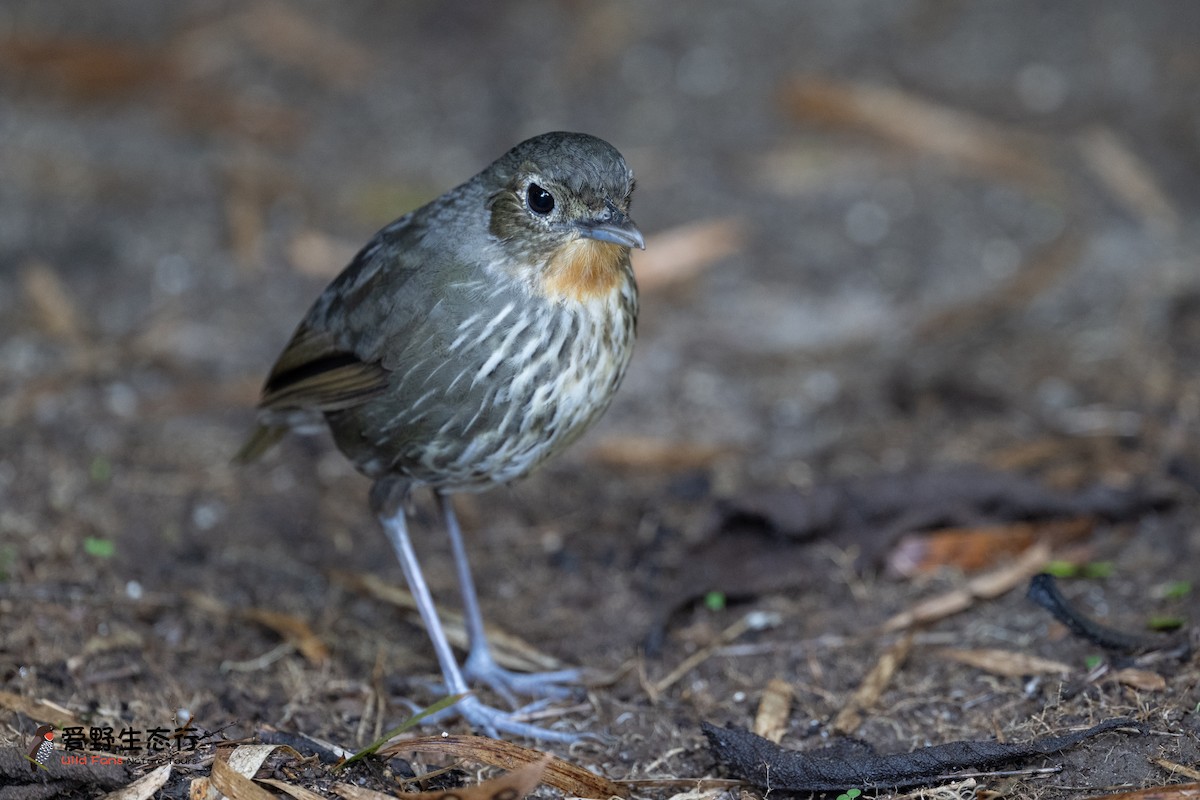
{"x": 491, "y": 720}
{"x": 481, "y": 664}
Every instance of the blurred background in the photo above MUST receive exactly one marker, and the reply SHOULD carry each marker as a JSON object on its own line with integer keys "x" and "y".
{"x": 880, "y": 236}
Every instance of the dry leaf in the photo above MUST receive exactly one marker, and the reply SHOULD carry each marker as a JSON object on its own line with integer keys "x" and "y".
{"x": 291, "y": 790}
{"x": 295, "y": 630}
{"x": 1177, "y": 769}
{"x": 922, "y": 126}
{"x": 680, "y": 254}
{"x": 50, "y": 303}
{"x": 247, "y": 759}
{"x": 973, "y": 549}
{"x": 202, "y": 789}
{"x": 1128, "y": 179}
{"x": 873, "y": 686}
{"x": 144, "y": 787}
{"x": 84, "y": 69}
{"x": 38, "y": 710}
{"x": 1005, "y": 662}
{"x": 770, "y": 722}
{"x": 236, "y": 786}
{"x": 1141, "y": 679}
{"x": 351, "y": 792}
{"x": 512, "y": 785}
{"x": 1190, "y": 791}
{"x": 982, "y": 587}
{"x": 563, "y": 775}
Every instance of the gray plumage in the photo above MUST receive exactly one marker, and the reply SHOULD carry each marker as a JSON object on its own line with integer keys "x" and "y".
{"x": 437, "y": 359}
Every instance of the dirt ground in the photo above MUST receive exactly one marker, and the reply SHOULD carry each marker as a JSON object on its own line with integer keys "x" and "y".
{"x": 885, "y": 242}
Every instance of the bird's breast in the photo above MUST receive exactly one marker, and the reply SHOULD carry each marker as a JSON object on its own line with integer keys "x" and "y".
{"x": 582, "y": 270}
{"x": 517, "y": 378}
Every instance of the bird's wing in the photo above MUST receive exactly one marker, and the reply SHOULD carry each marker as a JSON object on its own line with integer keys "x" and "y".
{"x": 315, "y": 373}
{"x": 334, "y": 359}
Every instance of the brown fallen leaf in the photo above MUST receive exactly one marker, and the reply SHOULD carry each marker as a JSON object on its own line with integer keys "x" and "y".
{"x": 1005, "y": 662}
{"x": 1177, "y": 769}
{"x": 923, "y": 126}
{"x": 144, "y": 787}
{"x": 294, "y": 629}
{"x": 351, "y": 792}
{"x": 234, "y": 785}
{"x": 680, "y": 254}
{"x": 1189, "y": 791}
{"x": 982, "y": 587}
{"x": 88, "y": 70}
{"x": 973, "y": 549}
{"x": 563, "y": 775}
{"x": 247, "y": 759}
{"x": 38, "y": 710}
{"x": 1141, "y": 679}
{"x": 512, "y": 785}
{"x": 291, "y": 790}
{"x": 770, "y": 722}
{"x": 50, "y": 303}
{"x": 1128, "y": 179}
{"x": 872, "y": 686}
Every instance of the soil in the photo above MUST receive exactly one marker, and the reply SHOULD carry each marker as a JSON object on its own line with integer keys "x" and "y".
{"x": 912, "y": 236}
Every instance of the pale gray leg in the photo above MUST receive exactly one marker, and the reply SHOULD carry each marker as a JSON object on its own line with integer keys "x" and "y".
{"x": 480, "y": 664}
{"x": 490, "y": 720}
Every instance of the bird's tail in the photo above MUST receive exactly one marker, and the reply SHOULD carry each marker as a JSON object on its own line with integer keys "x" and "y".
{"x": 262, "y": 440}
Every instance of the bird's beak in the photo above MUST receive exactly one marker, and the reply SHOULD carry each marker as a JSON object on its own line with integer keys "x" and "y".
{"x": 612, "y": 225}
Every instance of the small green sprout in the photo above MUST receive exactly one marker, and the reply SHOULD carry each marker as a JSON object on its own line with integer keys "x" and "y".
{"x": 715, "y": 601}
{"x": 411, "y": 722}
{"x": 1165, "y": 622}
{"x": 1176, "y": 590}
{"x": 100, "y": 548}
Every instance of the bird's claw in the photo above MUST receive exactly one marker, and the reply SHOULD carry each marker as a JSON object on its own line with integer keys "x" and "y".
{"x": 494, "y": 721}
{"x": 555, "y": 685}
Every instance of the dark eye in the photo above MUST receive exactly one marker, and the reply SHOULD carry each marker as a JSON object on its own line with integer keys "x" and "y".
{"x": 540, "y": 201}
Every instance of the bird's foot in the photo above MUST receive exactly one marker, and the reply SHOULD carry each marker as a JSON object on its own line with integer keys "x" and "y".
{"x": 493, "y": 721}
{"x": 480, "y": 667}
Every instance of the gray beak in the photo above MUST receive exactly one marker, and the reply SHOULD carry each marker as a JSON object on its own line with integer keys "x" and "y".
{"x": 612, "y": 226}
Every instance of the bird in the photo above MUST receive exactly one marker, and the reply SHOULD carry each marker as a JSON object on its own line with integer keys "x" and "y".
{"x": 469, "y": 341}
{"x": 42, "y": 747}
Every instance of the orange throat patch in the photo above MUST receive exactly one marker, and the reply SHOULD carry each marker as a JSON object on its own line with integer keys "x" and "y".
{"x": 583, "y": 269}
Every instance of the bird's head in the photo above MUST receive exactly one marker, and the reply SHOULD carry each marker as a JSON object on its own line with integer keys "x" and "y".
{"x": 559, "y": 204}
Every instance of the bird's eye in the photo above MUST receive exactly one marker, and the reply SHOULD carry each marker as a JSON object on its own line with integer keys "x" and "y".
{"x": 540, "y": 201}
